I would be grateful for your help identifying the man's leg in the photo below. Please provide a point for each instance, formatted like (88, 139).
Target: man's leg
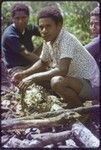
(68, 88)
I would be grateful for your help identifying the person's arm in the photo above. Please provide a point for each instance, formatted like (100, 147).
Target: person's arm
(93, 47)
(39, 66)
(30, 56)
(16, 47)
(62, 70)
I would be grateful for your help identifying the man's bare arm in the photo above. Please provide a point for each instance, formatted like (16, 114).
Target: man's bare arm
(30, 56)
(62, 70)
(39, 66)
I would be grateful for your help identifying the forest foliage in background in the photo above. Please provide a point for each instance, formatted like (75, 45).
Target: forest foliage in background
(75, 13)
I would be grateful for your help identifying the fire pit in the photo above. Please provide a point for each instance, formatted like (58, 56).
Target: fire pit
(45, 122)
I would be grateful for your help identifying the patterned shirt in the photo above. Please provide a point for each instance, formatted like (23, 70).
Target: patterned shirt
(67, 45)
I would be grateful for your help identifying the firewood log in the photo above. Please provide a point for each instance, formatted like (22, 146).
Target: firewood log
(81, 110)
(52, 138)
(85, 136)
(46, 122)
(39, 140)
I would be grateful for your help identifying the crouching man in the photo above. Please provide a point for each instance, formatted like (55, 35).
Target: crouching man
(64, 63)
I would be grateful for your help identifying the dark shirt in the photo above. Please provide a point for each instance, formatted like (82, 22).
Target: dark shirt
(13, 42)
(94, 48)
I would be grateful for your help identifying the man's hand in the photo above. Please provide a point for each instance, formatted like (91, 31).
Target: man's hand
(25, 83)
(17, 77)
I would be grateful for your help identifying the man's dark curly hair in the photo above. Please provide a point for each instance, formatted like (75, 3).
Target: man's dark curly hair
(95, 12)
(50, 12)
(19, 7)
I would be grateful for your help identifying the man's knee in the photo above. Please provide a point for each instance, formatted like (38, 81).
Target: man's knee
(56, 82)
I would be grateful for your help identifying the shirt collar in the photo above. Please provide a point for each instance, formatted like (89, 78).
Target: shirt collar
(59, 37)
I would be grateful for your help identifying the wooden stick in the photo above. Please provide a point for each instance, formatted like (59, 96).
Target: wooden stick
(49, 138)
(39, 140)
(46, 122)
(81, 110)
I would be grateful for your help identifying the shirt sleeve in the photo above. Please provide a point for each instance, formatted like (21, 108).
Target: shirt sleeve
(93, 47)
(67, 47)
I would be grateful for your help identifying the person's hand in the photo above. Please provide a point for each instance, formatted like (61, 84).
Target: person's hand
(25, 83)
(17, 77)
